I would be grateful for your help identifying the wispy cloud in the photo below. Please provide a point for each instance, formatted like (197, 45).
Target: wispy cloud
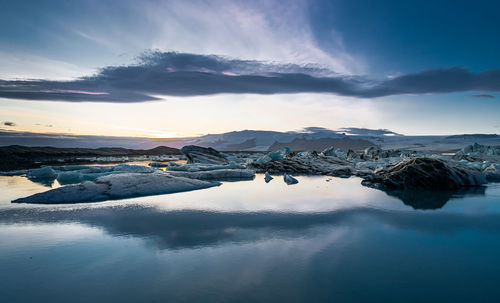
(368, 131)
(180, 74)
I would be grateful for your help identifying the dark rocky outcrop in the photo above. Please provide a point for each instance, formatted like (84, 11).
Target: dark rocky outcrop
(313, 164)
(15, 157)
(207, 155)
(425, 173)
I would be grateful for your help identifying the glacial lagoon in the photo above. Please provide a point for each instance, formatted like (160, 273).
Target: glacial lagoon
(323, 239)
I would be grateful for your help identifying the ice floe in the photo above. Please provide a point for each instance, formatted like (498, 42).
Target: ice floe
(118, 186)
(267, 177)
(289, 179)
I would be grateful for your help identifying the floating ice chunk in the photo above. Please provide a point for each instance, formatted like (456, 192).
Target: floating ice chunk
(479, 150)
(332, 152)
(89, 173)
(289, 179)
(219, 174)
(280, 153)
(118, 186)
(133, 168)
(263, 159)
(492, 172)
(267, 177)
(42, 173)
(14, 173)
(70, 177)
(202, 167)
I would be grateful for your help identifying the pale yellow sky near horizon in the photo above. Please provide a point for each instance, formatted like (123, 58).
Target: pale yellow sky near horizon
(193, 116)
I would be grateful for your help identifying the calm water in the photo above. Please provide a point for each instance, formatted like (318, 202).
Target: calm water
(322, 240)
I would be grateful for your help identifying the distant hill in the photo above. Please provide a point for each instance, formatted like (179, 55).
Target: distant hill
(473, 136)
(320, 144)
(259, 140)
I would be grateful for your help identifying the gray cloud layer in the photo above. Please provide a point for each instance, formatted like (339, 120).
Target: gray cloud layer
(180, 74)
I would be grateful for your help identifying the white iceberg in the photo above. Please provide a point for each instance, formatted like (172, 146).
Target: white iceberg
(280, 154)
(117, 186)
(77, 174)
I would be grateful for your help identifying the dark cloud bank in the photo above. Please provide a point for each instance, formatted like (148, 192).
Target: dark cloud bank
(179, 74)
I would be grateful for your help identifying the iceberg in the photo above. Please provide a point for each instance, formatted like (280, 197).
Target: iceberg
(426, 173)
(289, 179)
(77, 174)
(194, 167)
(14, 173)
(118, 186)
(158, 164)
(280, 154)
(332, 152)
(207, 155)
(220, 174)
(42, 173)
(267, 177)
(479, 150)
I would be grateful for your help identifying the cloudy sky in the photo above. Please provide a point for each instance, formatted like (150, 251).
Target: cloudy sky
(181, 68)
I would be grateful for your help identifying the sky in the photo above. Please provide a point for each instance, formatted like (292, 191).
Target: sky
(183, 68)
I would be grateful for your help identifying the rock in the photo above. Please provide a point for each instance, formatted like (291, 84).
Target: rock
(206, 155)
(158, 164)
(341, 172)
(425, 173)
(311, 164)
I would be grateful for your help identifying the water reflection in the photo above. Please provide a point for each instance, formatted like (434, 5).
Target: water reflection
(194, 228)
(319, 241)
(427, 199)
